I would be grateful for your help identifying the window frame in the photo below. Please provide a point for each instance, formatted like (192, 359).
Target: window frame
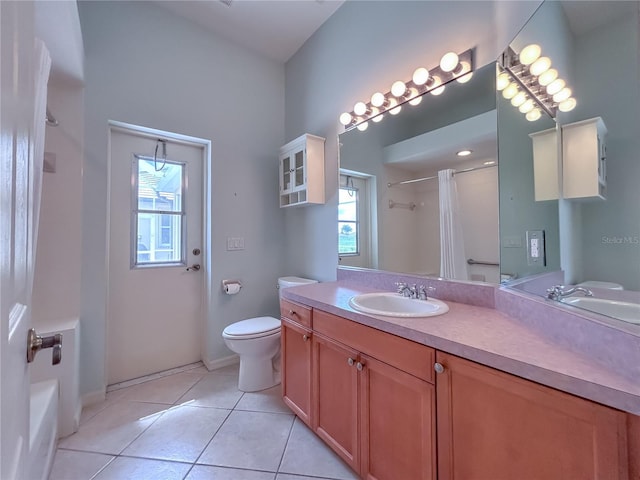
(356, 222)
(136, 211)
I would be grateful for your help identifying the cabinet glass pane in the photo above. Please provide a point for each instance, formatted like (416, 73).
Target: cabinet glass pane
(299, 168)
(286, 173)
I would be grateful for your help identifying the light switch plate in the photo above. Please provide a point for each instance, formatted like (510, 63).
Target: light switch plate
(235, 243)
(512, 241)
(536, 248)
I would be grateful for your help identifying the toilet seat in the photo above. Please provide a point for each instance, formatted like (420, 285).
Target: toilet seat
(252, 328)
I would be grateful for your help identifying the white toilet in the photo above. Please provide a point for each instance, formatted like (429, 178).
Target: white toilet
(257, 341)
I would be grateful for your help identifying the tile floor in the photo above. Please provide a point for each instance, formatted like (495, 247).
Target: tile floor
(194, 425)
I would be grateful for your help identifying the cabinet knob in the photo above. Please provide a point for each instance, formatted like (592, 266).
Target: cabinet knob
(350, 361)
(359, 366)
(306, 337)
(438, 368)
(292, 312)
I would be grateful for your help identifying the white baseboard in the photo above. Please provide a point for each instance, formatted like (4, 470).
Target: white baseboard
(221, 362)
(91, 398)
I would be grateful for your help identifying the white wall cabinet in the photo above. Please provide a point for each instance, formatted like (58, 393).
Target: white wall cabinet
(301, 171)
(584, 152)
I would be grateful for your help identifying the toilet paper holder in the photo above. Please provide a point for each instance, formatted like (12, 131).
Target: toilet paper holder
(231, 287)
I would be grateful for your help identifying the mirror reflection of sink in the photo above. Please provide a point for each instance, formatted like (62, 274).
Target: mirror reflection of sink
(628, 312)
(395, 305)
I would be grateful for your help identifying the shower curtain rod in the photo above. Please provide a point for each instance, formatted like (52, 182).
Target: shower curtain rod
(465, 170)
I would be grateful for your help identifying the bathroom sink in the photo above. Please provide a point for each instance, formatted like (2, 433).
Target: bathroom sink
(395, 305)
(628, 312)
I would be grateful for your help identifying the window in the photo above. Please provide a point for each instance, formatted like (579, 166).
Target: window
(158, 217)
(348, 222)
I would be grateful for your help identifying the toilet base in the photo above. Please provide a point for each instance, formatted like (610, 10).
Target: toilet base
(256, 373)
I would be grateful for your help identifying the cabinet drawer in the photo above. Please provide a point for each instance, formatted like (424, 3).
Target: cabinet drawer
(399, 352)
(296, 312)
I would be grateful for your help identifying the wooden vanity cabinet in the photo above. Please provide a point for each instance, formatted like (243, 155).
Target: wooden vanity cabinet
(378, 417)
(495, 425)
(296, 353)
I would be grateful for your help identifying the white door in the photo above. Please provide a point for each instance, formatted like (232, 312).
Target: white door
(155, 311)
(19, 196)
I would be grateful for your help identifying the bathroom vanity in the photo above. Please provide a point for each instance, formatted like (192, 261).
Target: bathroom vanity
(470, 394)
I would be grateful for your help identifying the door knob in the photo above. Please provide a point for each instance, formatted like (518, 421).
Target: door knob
(35, 343)
(195, 267)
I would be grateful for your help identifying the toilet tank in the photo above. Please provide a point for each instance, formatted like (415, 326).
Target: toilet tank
(286, 282)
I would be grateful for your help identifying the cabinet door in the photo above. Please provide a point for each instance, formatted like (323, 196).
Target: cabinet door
(498, 426)
(397, 424)
(335, 413)
(296, 369)
(286, 172)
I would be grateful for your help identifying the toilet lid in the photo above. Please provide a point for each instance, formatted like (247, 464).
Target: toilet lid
(258, 326)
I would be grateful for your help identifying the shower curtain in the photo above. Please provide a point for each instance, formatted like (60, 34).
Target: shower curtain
(453, 263)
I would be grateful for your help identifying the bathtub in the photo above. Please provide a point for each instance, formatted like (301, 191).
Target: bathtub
(43, 428)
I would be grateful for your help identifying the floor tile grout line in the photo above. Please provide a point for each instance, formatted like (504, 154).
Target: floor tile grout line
(213, 436)
(103, 467)
(286, 444)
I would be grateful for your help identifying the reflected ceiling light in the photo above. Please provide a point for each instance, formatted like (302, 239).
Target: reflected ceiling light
(568, 105)
(532, 86)
(489, 162)
(363, 126)
(377, 118)
(547, 77)
(530, 54)
(464, 153)
(453, 66)
(449, 62)
(533, 115)
(510, 91)
(540, 66)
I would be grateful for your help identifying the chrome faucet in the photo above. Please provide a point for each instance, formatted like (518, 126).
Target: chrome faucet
(413, 291)
(558, 292)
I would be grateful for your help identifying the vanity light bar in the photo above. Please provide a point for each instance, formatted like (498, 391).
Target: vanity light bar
(452, 67)
(528, 80)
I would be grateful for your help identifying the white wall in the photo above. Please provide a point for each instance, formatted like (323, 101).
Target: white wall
(56, 289)
(148, 67)
(362, 48)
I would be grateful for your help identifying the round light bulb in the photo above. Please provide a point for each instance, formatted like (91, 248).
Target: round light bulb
(377, 118)
(394, 110)
(530, 54)
(415, 96)
(547, 77)
(436, 86)
(345, 118)
(540, 66)
(449, 61)
(568, 105)
(562, 95)
(363, 126)
(377, 99)
(533, 115)
(420, 76)
(510, 91)
(527, 106)
(503, 81)
(519, 99)
(464, 78)
(398, 89)
(555, 86)
(360, 108)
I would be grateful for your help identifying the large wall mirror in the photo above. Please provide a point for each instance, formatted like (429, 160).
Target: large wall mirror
(593, 238)
(594, 47)
(389, 183)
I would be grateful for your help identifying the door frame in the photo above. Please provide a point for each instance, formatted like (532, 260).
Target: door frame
(146, 132)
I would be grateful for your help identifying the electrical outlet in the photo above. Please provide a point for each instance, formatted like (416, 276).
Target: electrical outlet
(536, 248)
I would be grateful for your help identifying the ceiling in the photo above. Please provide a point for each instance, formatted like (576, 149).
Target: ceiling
(274, 28)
